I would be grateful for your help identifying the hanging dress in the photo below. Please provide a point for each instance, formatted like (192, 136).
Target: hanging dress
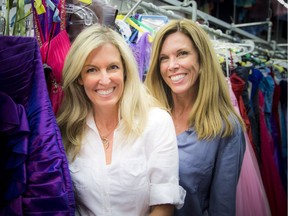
(35, 178)
(271, 179)
(251, 199)
(54, 43)
(141, 50)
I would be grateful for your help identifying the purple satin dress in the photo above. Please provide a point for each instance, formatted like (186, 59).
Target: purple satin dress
(35, 178)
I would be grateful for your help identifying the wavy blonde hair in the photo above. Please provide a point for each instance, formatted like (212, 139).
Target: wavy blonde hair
(134, 104)
(213, 104)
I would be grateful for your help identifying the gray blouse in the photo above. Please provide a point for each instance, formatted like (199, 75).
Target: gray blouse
(209, 172)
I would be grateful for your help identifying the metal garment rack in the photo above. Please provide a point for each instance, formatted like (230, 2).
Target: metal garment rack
(163, 10)
(183, 8)
(194, 12)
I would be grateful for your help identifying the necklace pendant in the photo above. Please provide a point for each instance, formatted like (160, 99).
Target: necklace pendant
(105, 142)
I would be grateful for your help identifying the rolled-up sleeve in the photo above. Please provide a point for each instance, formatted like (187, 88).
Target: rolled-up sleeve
(163, 161)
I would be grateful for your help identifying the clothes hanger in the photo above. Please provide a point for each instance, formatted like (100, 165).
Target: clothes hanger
(51, 5)
(86, 15)
(240, 49)
(141, 24)
(39, 7)
(154, 21)
(123, 24)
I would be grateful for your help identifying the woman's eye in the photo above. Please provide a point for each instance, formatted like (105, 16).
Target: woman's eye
(182, 53)
(114, 67)
(90, 70)
(162, 58)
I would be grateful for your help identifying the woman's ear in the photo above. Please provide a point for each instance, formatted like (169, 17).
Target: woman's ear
(80, 81)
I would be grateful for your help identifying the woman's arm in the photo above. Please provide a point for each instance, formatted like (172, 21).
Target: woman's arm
(163, 164)
(162, 210)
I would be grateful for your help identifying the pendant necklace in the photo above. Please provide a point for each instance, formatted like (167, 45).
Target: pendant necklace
(105, 139)
(105, 142)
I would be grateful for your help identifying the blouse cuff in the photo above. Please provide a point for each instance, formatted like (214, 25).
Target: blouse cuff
(167, 194)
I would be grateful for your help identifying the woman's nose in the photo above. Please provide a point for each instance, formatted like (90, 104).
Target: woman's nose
(105, 78)
(173, 64)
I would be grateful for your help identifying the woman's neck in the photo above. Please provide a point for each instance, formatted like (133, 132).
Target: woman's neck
(180, 118)
(106, 118)
(180, 113)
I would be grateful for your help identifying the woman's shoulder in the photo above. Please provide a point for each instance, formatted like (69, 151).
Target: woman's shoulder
(234, 121)
(159, 116)
(158, 113)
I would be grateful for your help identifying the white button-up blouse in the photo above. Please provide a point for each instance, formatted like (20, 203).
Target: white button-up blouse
(140, 175)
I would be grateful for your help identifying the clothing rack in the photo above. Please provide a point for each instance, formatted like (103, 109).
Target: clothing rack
(163, 10)
(208, 18)
(230, 28)
(269, 47)
(168, 11)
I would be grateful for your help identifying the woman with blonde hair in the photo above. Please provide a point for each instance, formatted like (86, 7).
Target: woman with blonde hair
(186, 77)
(121, 146)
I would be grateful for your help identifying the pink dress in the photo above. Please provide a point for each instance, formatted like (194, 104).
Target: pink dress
(53, 54)
(251, 198)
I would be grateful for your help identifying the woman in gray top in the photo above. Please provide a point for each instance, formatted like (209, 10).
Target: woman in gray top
(186, 77)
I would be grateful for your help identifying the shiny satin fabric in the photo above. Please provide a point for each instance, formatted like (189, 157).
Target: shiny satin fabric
(35, 178)
(53, 54)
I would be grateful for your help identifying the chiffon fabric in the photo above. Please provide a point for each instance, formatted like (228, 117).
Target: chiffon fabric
(34, 168)
(251, 198)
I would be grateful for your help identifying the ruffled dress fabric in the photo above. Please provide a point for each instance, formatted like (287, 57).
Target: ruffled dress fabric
(251, 198)
(34, 168)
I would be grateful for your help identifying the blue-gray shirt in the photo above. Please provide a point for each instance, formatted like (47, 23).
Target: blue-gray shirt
(209, 171)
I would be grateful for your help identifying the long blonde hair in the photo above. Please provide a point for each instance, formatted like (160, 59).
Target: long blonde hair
(213, 104)
(134, 104)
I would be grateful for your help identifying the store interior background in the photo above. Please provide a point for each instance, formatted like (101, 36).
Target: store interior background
(251, 11)
(261, 19)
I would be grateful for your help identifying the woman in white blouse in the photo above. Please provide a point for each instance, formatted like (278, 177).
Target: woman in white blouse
(122, 149)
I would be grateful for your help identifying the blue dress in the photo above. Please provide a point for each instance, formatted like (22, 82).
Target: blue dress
(209, 172)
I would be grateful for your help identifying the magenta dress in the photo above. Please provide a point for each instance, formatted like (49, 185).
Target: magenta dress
(53, 55)
(251, 199)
